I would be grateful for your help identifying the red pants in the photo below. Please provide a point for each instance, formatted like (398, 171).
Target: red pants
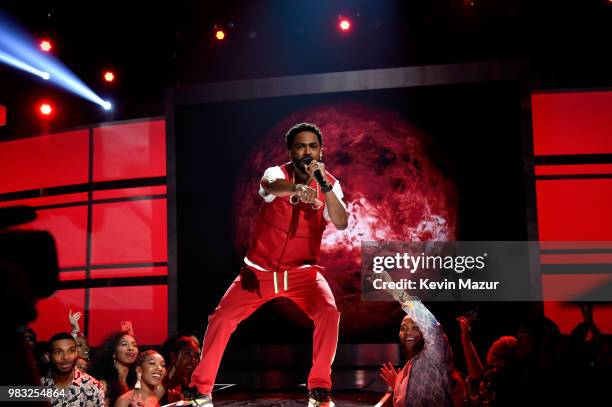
(307, 288)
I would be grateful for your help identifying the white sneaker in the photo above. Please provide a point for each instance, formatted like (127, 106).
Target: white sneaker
(193, 398)
(320, 397)
(315, 403)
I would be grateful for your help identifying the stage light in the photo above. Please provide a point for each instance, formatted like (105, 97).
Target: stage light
(220, 35)
(20, 50)
(45, 109)
(107, 105)
(109, 76)
(45, 46)
(344, 24)
(11, 60)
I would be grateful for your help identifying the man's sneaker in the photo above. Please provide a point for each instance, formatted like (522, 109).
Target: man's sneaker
(320, 397)
(191, 397)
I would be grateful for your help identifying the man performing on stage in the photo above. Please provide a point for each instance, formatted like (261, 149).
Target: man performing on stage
(300, 198)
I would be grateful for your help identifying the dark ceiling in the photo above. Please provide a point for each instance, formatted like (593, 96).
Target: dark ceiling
(153, 46)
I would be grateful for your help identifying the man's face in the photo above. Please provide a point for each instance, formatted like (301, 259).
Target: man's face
(63, 355)
(410, 335)
(305, 144)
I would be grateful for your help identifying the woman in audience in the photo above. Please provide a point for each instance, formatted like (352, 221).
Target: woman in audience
(498, 383)
(148, 390)
(183, 355)
(115, 365)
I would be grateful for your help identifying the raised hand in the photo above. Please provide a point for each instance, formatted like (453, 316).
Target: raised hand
(389, 373)
(74, 320)
(466, 328)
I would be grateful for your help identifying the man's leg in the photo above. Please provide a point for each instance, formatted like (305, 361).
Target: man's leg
(236, 305)
(313, 295)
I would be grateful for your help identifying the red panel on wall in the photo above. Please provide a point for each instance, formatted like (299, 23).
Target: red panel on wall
(570, 287)
(48, 200)
(130, 192)
(567, 315)
(546, 245)
(574, 209)
(129, 232)
(573, 169)
(2, 115)
(145, 306)
(577, 258)
(72, 275)
(69, 229)
(53, 313)
(136, 150)
(129, 272)
(45, 161)
(572, 123)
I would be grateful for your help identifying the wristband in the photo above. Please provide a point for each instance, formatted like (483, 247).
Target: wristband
(326, 187)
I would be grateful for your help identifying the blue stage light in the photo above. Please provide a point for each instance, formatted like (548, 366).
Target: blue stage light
(18, 50)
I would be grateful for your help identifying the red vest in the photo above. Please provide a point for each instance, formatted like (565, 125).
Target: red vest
(286, 235)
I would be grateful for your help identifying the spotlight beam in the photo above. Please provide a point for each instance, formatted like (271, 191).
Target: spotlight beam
(17, 49)
(14, 62)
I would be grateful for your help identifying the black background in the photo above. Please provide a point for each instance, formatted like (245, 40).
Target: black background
(476, 130)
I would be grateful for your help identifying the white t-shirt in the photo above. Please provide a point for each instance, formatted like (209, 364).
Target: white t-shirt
(274, 173)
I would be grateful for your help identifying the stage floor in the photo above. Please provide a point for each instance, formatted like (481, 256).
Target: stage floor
(291, 399)
(352, 387)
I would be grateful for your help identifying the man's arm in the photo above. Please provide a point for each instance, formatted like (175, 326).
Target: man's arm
(335, 209)
(277, 187)
(282, 187)
(274, 183)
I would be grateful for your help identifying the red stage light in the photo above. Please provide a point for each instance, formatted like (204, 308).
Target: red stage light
(45, 109)
(344, 24)
(2, 115)
(109, 76)
(220, 35)
(45, 45)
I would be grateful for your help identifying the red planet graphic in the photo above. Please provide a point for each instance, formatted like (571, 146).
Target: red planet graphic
(393, 190)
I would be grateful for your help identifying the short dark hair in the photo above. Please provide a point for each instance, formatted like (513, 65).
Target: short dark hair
(290, 136)
(59, 337)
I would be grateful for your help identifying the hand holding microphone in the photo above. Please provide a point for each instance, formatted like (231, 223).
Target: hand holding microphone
(316, 169)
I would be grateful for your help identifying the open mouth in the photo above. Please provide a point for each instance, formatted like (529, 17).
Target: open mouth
(156, 376)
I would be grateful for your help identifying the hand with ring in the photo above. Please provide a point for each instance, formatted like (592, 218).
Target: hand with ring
(305, 193)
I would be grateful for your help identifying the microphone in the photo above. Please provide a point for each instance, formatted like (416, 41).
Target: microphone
(325, 186)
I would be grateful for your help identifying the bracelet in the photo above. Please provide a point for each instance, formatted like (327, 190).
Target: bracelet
(299, 188)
